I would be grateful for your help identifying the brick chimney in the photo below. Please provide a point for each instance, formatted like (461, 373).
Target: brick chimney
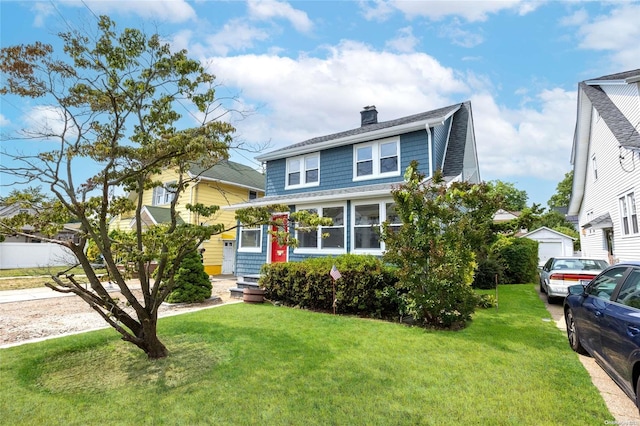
(369, 115)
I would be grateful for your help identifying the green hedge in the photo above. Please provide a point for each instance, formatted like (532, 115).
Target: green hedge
(367, 287)
(519, 259)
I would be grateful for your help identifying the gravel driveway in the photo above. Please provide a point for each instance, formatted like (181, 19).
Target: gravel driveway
(44, 318)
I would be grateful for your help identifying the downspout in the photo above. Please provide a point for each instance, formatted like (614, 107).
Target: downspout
(430, 149)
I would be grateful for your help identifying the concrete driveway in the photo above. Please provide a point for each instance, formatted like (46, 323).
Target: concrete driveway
(618, 403)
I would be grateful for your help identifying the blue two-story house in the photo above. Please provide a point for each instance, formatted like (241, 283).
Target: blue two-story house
(348, 176)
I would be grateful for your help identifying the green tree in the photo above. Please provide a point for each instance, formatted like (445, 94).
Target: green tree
(563, 192)
(191, 281)
(434, 249)
(117, 95)
(512, 199)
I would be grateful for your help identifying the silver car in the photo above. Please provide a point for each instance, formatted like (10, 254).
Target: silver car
(561, 272)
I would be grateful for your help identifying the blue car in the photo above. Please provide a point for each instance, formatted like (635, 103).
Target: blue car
(603, 320)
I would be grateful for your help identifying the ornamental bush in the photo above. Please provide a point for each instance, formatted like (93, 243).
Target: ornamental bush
(191, 281)
(518, 257)
(367, 287)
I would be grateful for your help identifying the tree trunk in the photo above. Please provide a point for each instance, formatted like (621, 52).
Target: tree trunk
(150, 343)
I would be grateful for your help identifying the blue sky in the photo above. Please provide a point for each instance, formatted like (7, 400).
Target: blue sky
(308, 67)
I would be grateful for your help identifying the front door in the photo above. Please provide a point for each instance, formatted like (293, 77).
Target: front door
(228, 258)
(279, 252)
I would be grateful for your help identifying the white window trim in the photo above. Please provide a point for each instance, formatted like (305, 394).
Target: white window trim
(303, 175)
(625, 198)
(319, 249)
(382, 210)
(376, 146)
(250, 249)
(166, 195)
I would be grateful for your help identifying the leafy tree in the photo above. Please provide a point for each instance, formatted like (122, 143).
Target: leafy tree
(117, 95)
(435, 247)
(512, 199)
(563, 192)
(191, 281)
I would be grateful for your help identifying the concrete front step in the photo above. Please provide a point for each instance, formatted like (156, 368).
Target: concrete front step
(247, 281)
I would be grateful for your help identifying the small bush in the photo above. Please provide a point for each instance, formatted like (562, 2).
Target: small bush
(485, 277)
(518, 257)
(191, 281)
(486, 301)
(367, 287)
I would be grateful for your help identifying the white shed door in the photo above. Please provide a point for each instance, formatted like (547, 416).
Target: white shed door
(548, 249)
(228, 258)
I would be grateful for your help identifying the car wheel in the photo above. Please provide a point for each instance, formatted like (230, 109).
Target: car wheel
(638, 394)
(551, 299)
(542, 288)
(572, 333)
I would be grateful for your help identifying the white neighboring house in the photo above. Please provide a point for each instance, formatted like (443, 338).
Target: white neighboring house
(606, 167)
(551, 243)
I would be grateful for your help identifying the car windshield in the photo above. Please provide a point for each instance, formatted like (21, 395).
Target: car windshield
(580, 264)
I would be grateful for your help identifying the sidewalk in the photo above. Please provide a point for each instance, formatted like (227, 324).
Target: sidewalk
(8, 296)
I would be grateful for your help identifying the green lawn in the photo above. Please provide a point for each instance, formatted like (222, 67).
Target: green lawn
(31, 277)
(258, 364)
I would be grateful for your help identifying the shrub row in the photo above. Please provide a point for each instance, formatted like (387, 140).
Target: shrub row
(367, 287)
(513, 260)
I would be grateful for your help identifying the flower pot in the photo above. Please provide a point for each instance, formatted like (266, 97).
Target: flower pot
(253, 295)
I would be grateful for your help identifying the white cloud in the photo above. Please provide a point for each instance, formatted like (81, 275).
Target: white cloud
(405, 41)
(167, 10)
(41, 11)
(309, 96)
(469, 10)
(526, 141)
(453, 31)
(616, 33)
(376, 10)
(47, 120)
(235, 35)
(268, 9)
(4, 121)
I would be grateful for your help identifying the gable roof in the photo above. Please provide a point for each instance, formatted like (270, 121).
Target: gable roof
(157, 215)
(591, 95)
(365, 133)
(227, 171)
(544, 228)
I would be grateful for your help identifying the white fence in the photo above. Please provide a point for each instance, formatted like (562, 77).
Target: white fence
(33, 255)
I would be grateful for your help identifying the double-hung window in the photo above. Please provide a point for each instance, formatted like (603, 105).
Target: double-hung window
(303, 171)
(326, 239)
(376, 159)
(250, 239)
(367, 225)
(163, 194)
(628, 214)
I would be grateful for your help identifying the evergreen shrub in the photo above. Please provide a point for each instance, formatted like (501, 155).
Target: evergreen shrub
(367, 287)
(191, 281)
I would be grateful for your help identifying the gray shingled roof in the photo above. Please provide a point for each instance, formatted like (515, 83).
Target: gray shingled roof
(454, 157)
(626, 134)
(424, 116)
(162, 214)
(232, 172)
(619, 76)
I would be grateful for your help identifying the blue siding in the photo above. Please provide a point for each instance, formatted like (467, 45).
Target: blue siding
(336, 166)
(414, 146)
(251, 263)
(440, 137)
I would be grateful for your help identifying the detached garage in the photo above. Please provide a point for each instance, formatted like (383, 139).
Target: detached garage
(551, 243)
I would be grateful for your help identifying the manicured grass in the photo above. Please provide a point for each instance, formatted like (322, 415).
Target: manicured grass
(31, 277)
(260, 364)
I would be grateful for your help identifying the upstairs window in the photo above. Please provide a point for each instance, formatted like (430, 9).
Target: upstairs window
(594, 164)
(303, 171)
(628, 214)
(376, 159)
(253, 195)
(163, 194)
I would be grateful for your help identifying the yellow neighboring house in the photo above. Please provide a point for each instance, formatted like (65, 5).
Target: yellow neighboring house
(224, 184)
